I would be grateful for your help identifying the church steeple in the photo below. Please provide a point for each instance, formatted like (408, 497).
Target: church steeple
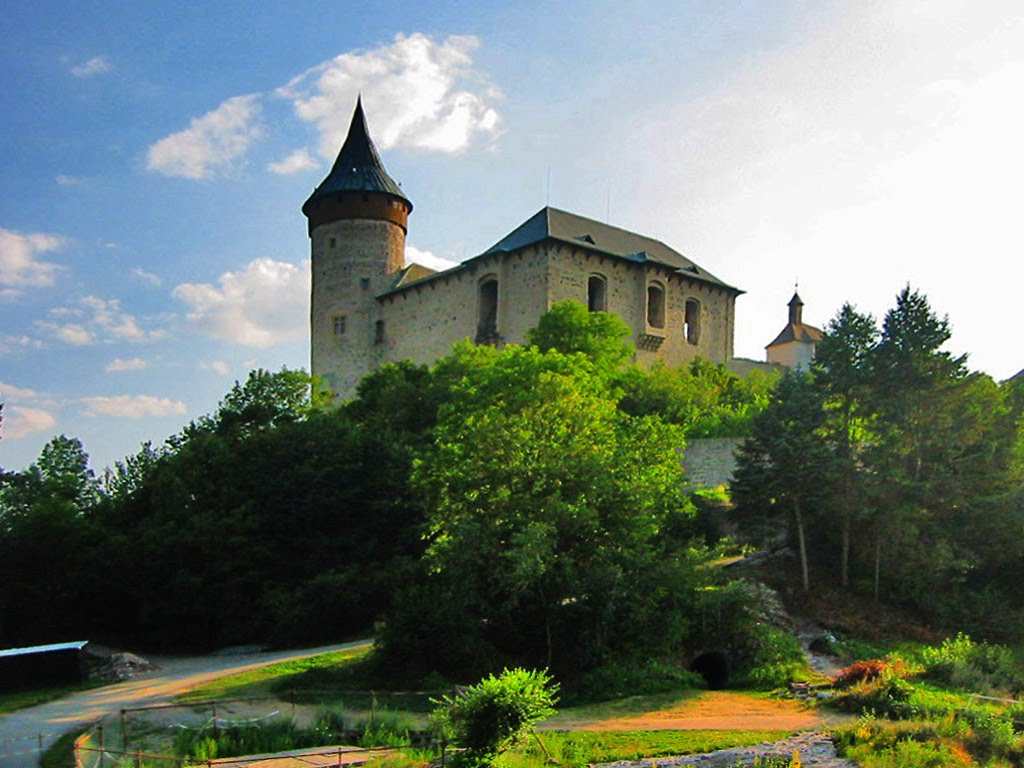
(796, 309)
(357, 175)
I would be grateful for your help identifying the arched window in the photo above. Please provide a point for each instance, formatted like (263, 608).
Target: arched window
(597, 294)
(655, 306)
(691, 321)
(487, 311)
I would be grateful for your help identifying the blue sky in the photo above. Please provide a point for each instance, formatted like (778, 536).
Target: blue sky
(155, 156)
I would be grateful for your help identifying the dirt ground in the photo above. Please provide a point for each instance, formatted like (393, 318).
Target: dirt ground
(715, 710)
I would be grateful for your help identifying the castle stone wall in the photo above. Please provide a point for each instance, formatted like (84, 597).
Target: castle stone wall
(570, 267)
(424, 320)
(710, 461)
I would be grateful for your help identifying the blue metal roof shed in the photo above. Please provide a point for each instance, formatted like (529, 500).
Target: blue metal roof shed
(42, 665)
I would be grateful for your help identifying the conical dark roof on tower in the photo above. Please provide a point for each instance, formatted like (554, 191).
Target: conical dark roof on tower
(358, 167)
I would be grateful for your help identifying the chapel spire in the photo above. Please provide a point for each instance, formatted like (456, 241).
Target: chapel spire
(796, 309)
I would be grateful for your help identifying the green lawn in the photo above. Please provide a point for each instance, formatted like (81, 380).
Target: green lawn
(278, 678)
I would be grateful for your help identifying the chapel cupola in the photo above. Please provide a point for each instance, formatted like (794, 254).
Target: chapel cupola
(357, 187)
(796, 310)
(794, 346)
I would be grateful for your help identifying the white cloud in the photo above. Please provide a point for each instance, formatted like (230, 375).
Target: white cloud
(299, 160)
(97, 65)
(94, 320)
(133, 406)
(20, 266)
(118, 365)
(420, 93)
(264, 304)
(11, 392)
(212, 143)
(12, 342)
(21, 421)
(217, 366)
(24, 411)
(73, 333)
(147, 277)
(68, 181)
(427, 259)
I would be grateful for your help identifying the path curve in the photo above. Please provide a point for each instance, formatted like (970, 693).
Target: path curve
(20, 731)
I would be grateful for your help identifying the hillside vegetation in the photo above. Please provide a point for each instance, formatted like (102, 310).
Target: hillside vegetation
(526, 506)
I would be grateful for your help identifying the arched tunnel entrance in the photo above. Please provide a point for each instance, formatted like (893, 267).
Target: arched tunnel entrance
(713, 666)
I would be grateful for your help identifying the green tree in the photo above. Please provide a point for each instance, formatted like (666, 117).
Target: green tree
(543, 501)
(705, 399)
(784, 468)
(569, 327)
(842, 375)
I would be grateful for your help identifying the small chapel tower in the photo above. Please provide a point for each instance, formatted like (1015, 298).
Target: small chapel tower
(358, 219)
(794, 346)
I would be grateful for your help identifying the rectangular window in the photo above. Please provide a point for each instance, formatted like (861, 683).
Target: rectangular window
(334, 242)
(364, 283)
(378, 332)
(339, 325)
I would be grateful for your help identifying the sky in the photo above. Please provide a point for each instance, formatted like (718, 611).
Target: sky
(154, 157)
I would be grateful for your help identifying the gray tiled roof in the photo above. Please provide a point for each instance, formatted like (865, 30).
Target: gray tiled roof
(358, 167)
(554, 224)
(562, 226)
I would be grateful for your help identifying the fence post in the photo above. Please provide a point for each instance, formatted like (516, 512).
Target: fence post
(215, 720)
(124, 731)
(40, 739)
(99, 732)
(339, 757)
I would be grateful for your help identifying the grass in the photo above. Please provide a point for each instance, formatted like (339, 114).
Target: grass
(10, 702)
(61, 753)
(275, 678)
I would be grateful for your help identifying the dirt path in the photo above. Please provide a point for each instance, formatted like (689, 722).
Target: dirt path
(22, 732)
(713, 710)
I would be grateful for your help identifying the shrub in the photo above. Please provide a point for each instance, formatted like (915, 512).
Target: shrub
(775, 660)
(490, 717)
(962, 663)
(888, 695)
(617, 680)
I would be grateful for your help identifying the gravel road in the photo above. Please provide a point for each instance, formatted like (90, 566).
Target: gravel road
(22, 732)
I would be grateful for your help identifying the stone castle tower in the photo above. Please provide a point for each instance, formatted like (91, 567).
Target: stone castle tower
(358, 218)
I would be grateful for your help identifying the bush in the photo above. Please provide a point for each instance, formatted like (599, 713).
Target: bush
(491, 716)
(618, 680)
(964, 664)
(888, 695)
(776, 659)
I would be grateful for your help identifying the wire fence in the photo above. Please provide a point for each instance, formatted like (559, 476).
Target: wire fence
(139, 737)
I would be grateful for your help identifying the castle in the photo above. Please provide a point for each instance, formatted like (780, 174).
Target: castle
(369, 307)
